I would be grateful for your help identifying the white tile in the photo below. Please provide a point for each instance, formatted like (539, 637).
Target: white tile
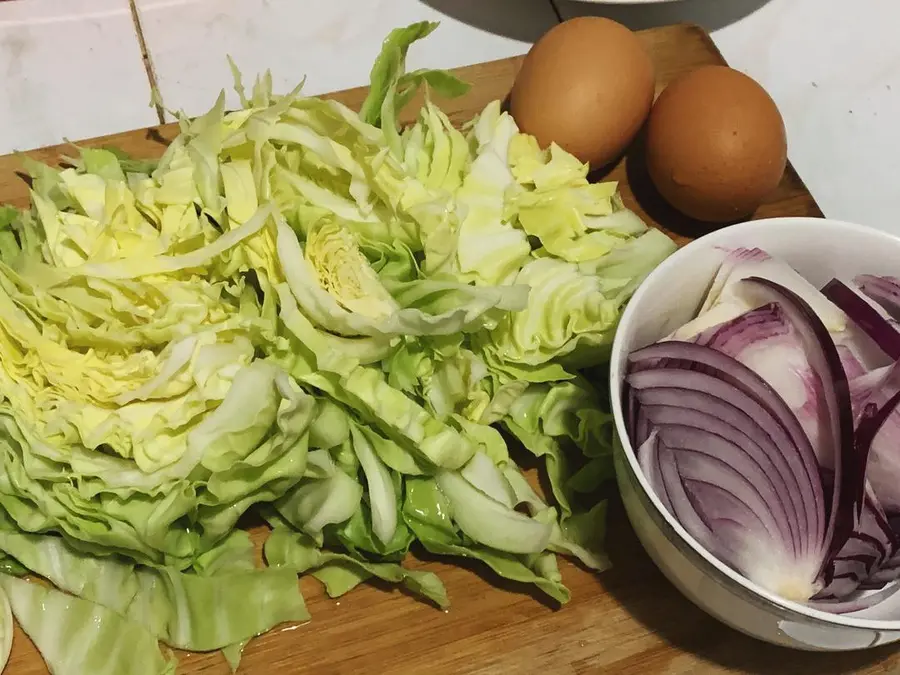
(70, 69)
(332, 42)
(835, 74)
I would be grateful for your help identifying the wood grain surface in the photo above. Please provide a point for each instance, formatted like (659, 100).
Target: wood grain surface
(628, 620)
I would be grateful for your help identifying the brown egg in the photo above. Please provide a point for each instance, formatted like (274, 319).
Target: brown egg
(586, 85)
(716, 144)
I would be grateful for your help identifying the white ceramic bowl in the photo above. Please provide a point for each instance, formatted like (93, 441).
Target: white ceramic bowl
(669, 297)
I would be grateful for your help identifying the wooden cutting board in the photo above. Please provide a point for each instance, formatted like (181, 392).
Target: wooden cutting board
(627, 620)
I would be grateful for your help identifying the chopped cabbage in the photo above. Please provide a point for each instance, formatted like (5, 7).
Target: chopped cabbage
(317, 315)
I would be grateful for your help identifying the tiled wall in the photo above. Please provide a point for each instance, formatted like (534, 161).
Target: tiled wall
(79, 68)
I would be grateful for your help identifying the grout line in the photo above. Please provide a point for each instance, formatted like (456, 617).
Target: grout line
(555, 11)
(148, 62)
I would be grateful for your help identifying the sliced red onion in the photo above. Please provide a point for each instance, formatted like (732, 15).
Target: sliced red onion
(849, 468)
(704, 456)
(729, 532)
(874, 386)
(852, 365)
(744, 541)
(775, 478)
(869, 558)
(848, 573)
(681, 506)
(883, 290)
(855, 603)
(865, 316)
(873, 584)
(881, 389)
(778, 488)
(720, 506)
(735, 385)
(765, 341)
(882, 576)
(734, 258)
(747, 330)
(630, 410)
(723, 484)
(860, 562)
(686, 355)
(748, 424)
(648, 458)
(871, 423)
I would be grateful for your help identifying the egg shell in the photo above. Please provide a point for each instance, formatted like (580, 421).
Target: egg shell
(716, 144)
(587, 85)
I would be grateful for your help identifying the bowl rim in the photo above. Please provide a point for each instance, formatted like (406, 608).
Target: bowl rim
(616, 373)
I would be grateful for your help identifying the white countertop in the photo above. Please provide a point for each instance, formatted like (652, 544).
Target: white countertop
(77, 68)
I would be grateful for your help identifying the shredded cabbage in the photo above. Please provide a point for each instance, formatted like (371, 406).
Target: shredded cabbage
(316, 314)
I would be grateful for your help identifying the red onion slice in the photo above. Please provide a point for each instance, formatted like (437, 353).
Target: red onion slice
(871, 422)
(880, 389)
(848, 573)
(727, 369)
(754, 434)
(869, 558)
(865, 316)
(629, 410)
(849, 467)
(860, 561)
(857, 603)
(743, 539)
(735, 445)
(724, 531)
(727, 396)
(882, 576)
(734, 259)
(648, 458)
(713, 462)
(876, 386)
(746, 330)
(883, 290)
(781, 499)
(765, 341)
(732, 506)
(681, 506)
